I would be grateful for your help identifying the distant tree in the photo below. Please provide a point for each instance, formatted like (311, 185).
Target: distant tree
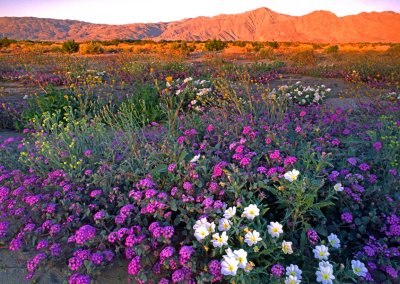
(70, 46)
(215, 45)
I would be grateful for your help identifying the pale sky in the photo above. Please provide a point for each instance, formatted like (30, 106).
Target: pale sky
(147, 11)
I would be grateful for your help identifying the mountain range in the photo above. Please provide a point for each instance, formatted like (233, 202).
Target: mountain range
(261, 24)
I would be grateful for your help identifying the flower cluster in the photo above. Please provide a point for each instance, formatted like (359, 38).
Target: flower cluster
(301, 95)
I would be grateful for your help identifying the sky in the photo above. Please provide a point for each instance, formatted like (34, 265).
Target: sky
(151, 11)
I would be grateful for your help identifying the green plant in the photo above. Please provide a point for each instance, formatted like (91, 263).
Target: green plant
(58, 102)
(70, 46)
(304, 58)
(182, 47)
(91, 48)
(257, 46)
(137, 110)
(332, 49)
(266, 53)
(5, 42)
(273, 44)
(239, 43)
(215, 45)
(394, 50)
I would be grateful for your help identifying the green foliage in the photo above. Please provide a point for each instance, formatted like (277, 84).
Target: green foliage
(394, 51)
(70, 46)
(137, 110)
(182, 47)
(91, 48)
(215, 45)
(57, 102)
(67, 137)
(5, 42)
(316, 46)
(273, 44)
(332, 49)
(257, 46)
(266, 53)
(239, 43)
(303, 58)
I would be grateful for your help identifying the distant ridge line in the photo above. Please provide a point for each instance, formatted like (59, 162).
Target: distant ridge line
(261, 24)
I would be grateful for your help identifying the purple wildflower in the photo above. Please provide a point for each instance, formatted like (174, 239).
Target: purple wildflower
(84, 234)
(79, 279)
(312, 236)
(277, 270)
(75, 263)
(134, 266)
(97, 258)
(352, 161)
(347, 217)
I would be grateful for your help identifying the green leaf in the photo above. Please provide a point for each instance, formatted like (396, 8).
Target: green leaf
(182, 156)
(358, 221)
(173, 205)
(161, 169)
(322, 231)
(323, 204)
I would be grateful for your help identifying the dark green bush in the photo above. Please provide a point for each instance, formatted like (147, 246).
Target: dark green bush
(5, 42)
(332, 49)
(394, 50)
(303, 58)
(215, 45)
(70, 46)
(239, 43)
(273, 44)
(257, 46)
(182, 47)
(91, 48)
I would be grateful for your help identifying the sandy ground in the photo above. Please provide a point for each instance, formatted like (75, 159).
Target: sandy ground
(13, 271)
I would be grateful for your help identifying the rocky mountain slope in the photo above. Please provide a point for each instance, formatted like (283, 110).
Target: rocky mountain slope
(258, 25)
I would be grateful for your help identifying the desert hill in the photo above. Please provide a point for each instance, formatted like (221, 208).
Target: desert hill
(258, 25)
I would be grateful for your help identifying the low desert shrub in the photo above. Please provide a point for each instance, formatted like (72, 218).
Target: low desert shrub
(70, 46)
(91, 48)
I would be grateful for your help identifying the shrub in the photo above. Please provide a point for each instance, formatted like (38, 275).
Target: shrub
(70, 46)
(273, 44)
(316, 46)
(266, 53)
(332, 49)
(136, 110)
(182, 47)
(257, 46)
(239, 43)
(394, 50)
(91, 48)
(303, 58)
(215, 45)
(5, 42)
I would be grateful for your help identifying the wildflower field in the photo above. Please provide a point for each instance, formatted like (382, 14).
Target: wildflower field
(170, 171)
